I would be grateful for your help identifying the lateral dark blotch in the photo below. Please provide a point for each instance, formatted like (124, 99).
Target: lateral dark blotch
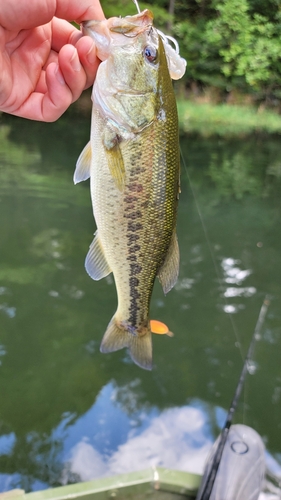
(135, 295)
(133, 215)
(135, 188)
(132, 238)
(134, 248)
(135, 269)
(134, 281)
(134, 226)
(132, 257)
(130, 198)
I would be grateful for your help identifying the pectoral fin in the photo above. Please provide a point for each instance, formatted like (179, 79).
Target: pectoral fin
(96, 264)
(83, 165)
(116, 166)
(114, 157)
(169, 271)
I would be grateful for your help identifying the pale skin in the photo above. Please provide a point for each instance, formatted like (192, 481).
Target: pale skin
(45, 63)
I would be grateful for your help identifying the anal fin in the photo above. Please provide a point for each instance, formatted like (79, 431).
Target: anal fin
(96, 264)
(168, 273)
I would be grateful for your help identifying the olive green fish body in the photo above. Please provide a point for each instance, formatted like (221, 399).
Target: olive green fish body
(134, 169)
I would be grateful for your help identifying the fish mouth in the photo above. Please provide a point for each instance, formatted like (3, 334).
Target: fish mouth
(142, 20)
(89, 26)
(130, 30)
(128, 26)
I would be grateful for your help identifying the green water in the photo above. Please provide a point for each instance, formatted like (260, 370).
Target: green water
(69, 413)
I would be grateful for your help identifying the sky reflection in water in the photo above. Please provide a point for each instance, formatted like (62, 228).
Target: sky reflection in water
(177, 438)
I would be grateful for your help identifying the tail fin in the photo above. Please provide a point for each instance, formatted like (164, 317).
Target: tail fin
(140, 348)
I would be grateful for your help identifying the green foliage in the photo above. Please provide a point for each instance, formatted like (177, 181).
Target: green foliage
(248, 46)
(227, 43)
(223, 120)
(237, 45)
(115, 8)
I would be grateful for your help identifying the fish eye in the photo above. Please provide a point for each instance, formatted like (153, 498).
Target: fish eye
(150, 53)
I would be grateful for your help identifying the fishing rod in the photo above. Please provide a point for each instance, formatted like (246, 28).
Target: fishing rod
(205, 492)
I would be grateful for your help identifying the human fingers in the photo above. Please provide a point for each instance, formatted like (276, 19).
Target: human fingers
(48, 106)
(72, 70)
(79, 11)
(22, 60)
(64, 33)
(5, 72)
(16, 15)
(86, 49)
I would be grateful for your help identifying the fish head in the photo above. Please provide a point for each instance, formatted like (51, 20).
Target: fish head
(134, 77)
(130, 46)
(124, 32)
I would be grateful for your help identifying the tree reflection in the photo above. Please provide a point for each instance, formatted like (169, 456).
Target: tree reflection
(36, 457)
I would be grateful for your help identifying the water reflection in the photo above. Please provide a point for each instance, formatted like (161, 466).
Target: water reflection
(178, 438)
(111, 438)
(69, 413)
(233, 274)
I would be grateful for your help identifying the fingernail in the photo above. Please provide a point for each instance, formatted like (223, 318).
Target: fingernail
(59, 75)
(74, 61)
(91, 54)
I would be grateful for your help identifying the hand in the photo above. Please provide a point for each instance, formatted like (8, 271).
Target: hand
(45, 63)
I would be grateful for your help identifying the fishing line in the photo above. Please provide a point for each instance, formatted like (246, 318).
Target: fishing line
(245, 399)
(206, 491)
(168, 38)
(137, 6)
(218, 273)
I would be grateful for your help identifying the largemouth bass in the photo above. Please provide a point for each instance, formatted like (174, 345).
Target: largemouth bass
(133, 161)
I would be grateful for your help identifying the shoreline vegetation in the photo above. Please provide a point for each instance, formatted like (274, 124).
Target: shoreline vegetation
(222, 119)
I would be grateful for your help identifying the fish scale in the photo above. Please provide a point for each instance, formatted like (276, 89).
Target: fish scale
(133, 162)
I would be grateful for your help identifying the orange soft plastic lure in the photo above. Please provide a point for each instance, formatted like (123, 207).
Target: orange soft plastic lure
(160, 328)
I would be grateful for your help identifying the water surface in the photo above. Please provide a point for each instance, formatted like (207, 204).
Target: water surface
(69, 413)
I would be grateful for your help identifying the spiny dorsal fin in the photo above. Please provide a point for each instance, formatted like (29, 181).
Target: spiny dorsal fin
(83, 165)
(96, 264)
(169, 271)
